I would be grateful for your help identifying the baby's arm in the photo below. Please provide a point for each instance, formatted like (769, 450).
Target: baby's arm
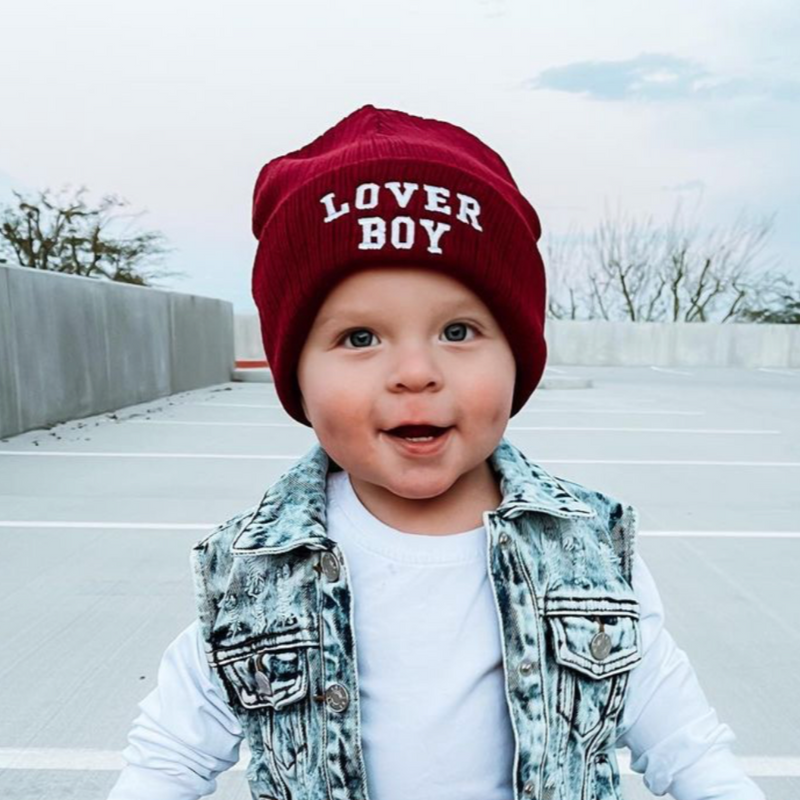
(186, 734)
(673, 733)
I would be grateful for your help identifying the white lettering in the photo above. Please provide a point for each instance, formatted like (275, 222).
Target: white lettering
(404, 196)
(403, 228)
(373, 233)
(329, 207)
(361, 193)
(435, 231)
(408, 242)
(437, 194)
(468, 210)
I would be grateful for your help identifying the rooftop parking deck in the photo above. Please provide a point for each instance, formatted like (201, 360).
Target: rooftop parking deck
(97, 517)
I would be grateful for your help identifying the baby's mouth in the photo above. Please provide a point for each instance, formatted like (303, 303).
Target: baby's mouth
(418, 433)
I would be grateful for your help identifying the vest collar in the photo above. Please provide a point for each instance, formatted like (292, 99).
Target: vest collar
(293, 510)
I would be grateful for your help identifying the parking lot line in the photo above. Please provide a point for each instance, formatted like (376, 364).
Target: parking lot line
(296, 456)
(576, 410)
(95, 760)
(668, 463)
(794, 373)
(671, 371)
(199, 526)
(227, 424)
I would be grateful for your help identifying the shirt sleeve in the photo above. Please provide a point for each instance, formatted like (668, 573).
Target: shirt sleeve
(186, 733)
(675, 737)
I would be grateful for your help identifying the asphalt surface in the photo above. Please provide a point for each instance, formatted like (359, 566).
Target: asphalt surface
(97, 517)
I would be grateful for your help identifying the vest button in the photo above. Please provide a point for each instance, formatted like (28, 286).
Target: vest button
(336, 697)
(503, 538)
(330, 566)
(528, 787)
(600, 646)
(526, 667)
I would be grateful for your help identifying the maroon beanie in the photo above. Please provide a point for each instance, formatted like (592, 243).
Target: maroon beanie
(386, 188)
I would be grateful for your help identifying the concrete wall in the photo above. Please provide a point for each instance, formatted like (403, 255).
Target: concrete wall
(247, 340)
(687, 344)
(71, 347)
(631, 343)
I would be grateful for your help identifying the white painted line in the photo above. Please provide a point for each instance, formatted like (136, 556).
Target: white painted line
(794, 373)
(754, 766)
(728, 431)
(223, 456)
(66, 758)
(633, 412)
(556, 371)
(672, 371)
(177, 526)
(722, 534)
(214, 423)
(771, 766)
(127, 526)
(297, 456)
(237, 405)
(642, 463)
(91, 760)
(522, 411)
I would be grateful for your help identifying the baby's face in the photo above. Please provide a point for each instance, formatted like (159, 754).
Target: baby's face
(393, 345)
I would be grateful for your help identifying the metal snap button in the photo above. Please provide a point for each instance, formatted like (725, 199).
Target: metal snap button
(336, 697)
(330, 566)
(526, 667)
(600, 646)
(528, 787)
(503, 538)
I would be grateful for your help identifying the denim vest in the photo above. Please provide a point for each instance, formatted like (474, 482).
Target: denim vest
(275, 610)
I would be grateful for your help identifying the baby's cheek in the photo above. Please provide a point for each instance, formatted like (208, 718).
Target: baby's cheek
(344, 412)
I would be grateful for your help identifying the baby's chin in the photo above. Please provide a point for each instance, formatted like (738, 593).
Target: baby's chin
(426, 485)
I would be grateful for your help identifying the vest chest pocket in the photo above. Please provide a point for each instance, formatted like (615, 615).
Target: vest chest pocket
(596, 643)
(267, 677)
(270, 687)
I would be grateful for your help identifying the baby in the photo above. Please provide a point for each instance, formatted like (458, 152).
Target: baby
(415, 610)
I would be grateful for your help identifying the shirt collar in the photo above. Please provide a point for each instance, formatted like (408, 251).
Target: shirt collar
(293, 510)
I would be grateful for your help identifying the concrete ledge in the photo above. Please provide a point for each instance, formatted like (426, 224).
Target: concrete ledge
(564, 383)
(264, 375)
(72, 347)
(672, 344)
(253, 375)
(630, 344)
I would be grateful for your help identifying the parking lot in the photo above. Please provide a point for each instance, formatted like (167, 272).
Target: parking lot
(97, 517)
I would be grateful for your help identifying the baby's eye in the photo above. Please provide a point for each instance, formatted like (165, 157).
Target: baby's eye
(458, 327)
(360, 337)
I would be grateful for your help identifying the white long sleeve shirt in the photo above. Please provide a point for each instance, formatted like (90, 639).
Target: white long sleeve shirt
(422, 600)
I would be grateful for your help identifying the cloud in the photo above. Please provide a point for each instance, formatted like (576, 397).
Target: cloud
(657, 77)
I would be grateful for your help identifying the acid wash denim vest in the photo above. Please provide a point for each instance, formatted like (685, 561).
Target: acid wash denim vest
(276, 612)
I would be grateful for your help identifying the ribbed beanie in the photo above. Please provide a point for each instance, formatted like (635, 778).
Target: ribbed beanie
(384, 188)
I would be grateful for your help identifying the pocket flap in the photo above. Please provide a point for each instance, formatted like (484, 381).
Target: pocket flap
(265, 677)
(596, 636)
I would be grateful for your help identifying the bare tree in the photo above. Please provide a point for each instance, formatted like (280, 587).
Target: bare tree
(634, 269)
(777, 303)
(65, 234)
(625, 253)
(563, 261)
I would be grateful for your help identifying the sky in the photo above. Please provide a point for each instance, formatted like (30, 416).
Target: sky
(176, 105)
